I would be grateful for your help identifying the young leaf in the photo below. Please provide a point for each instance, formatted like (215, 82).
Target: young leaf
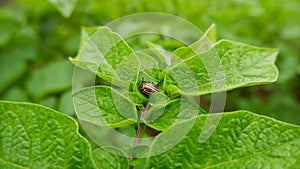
(33, 136)
(161, 117)
(241, 140)
(136, 99)
(149, 66)
(110, 157)
(241, 65)
(160, 55)
(206, 41)
(198, 47)
(105, 53)
(104, 106)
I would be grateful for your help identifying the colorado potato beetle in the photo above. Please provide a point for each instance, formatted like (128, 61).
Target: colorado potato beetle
(148, 88)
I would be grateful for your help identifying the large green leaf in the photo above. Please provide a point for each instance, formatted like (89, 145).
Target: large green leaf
(110, 158)
(33, 136)
(226, 66)
(106, 54)
(104, 106)
(241, 140)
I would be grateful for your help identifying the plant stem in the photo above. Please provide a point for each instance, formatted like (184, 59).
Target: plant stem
(140, 128)
(138, 135)
(145, 110)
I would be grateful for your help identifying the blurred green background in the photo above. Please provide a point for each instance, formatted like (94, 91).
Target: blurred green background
(36, 41)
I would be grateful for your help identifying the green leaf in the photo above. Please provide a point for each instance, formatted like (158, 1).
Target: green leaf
(65, 7)
(198, 47)
(110, 158)
(136, 99)
(52, 78)
(33, 136)
(106, 54)
(104, 106)
(149, 66)
(206, 41)
(211, 33)
(241, 65)
(158, 98)
(241, 140)
(140, 151)
(159, 54)
(12, 68)
(161, 117)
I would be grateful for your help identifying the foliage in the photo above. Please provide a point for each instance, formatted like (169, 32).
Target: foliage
(37, 37)
(33, 136)
(34, 34)
(253, 142)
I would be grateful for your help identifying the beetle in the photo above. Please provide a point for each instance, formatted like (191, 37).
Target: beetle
(148, 88)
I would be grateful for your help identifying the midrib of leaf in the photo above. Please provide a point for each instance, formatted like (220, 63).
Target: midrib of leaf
(250, 155)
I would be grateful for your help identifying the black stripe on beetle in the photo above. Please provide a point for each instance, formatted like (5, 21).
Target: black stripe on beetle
(148, 88)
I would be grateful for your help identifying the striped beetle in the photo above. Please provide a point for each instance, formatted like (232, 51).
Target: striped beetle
(148, 88)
